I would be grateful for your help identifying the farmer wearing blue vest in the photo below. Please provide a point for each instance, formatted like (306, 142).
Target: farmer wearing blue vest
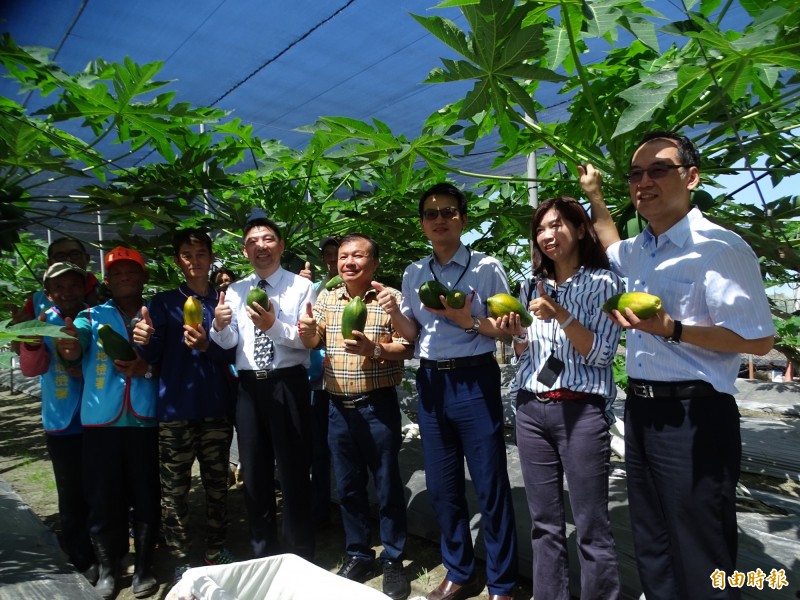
(118, 411)
(61, 388)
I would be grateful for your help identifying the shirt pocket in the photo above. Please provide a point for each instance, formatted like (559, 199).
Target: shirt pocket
(681, 299)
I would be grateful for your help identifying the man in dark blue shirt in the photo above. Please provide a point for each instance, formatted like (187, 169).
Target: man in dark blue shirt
(195, 399)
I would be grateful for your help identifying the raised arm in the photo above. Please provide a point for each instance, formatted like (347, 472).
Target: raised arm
(591, 181)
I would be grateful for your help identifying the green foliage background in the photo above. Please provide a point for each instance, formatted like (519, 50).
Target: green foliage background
(734, 92)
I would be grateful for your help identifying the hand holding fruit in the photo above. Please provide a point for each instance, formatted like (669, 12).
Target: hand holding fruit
(143, 329)
(132, 368)
(195, 338)
(222, 313)
(359, 344)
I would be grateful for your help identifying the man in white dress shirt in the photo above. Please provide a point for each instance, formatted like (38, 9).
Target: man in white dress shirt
(273, 416)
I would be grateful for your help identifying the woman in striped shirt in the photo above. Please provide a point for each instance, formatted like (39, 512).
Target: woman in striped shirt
(565, 390)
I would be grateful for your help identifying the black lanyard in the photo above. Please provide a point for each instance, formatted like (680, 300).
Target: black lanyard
(469, 261)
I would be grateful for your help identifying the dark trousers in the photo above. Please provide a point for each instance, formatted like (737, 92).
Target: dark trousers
(66, 454)
(363, 440)
(180, 443)
(461, 416)
(121, 471)
(273, 424)
(558, 439)
(682, 461)
(320, 457)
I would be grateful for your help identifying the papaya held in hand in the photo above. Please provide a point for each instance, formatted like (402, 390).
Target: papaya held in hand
(354, 318)
(429, 293)
(192, 312)
(501, 305)
(643, 305)
(456, 299)
(116, 346)
(258, 296)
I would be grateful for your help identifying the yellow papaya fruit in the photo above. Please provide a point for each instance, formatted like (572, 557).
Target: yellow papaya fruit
(192, 312)
(258, 296)
(502, 304)
(430, 291)
(642, 304)
(354, 318)
(456, 299)
(116, 346)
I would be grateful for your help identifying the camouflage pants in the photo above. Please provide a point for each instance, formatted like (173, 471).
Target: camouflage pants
(180, 443)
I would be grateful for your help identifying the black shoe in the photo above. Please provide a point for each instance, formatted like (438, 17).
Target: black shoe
(395, 584)
(357, 569)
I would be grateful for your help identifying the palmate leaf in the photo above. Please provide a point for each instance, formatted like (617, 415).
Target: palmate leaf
(28, 330)
(645, 99)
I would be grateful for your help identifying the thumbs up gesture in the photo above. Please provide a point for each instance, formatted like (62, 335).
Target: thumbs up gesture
(143, 329)
(386, 299)
(306, 271)
(69, 349)
(222, 313)
(307, 327)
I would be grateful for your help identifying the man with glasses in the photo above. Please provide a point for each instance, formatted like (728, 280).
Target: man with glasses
(460, 405)
(682, 439)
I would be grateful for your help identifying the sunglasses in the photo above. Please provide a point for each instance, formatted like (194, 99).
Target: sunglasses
(431, 214)
(653, 172)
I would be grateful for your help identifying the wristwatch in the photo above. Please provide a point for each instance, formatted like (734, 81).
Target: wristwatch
(149, 373)
(675, 338)
(476, 323)
(376, 352)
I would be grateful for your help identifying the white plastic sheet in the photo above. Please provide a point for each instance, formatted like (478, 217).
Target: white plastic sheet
(282, 577)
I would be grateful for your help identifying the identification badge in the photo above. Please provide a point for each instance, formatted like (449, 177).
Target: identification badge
(552, 368)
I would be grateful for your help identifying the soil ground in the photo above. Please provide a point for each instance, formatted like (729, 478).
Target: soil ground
(24, 464)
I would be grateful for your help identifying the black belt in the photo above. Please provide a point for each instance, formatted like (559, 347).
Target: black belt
(447, 364)
(356, 401)
(670, 390)
(272, 373)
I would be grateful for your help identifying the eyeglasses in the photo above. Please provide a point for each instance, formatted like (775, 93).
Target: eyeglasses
(653, 172)
(431, 214)
(72, 255)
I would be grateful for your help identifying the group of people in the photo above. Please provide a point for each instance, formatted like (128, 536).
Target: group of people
(147, 419)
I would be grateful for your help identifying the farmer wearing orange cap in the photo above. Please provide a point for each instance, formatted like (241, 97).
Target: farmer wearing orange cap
(118, 410)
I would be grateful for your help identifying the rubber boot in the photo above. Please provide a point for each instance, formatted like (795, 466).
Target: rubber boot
(108, 566)
(144, 543)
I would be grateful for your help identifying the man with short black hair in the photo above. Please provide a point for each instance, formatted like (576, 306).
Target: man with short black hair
(195, 401)
(460, 404)
(682, 439)
(272, 411)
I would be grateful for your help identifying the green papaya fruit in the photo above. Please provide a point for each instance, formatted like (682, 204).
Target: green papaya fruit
(429, 293)
(258, 296)
(354, 318)
(456, 299)
(642, 304)
(116, 346)
(334, 282)
(502, 304)
(192, 312)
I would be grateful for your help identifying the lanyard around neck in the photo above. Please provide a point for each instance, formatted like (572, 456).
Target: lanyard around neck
(469, 261)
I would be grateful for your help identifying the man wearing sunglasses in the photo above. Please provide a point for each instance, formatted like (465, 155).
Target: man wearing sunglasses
(460, 406)
(682, 439)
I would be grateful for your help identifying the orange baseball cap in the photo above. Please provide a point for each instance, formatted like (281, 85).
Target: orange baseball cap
(121, 253)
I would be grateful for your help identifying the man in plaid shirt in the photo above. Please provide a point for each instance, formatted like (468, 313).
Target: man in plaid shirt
(364, 427)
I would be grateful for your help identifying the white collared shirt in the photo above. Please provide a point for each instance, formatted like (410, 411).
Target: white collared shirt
(289, 294)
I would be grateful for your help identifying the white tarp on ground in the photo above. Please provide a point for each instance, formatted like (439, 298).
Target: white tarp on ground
(282, 577)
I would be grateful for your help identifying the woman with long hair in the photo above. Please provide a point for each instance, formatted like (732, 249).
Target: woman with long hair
(565, 390)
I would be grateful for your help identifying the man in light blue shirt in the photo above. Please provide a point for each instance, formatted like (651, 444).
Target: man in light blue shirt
(682, 439)
(460, 405)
